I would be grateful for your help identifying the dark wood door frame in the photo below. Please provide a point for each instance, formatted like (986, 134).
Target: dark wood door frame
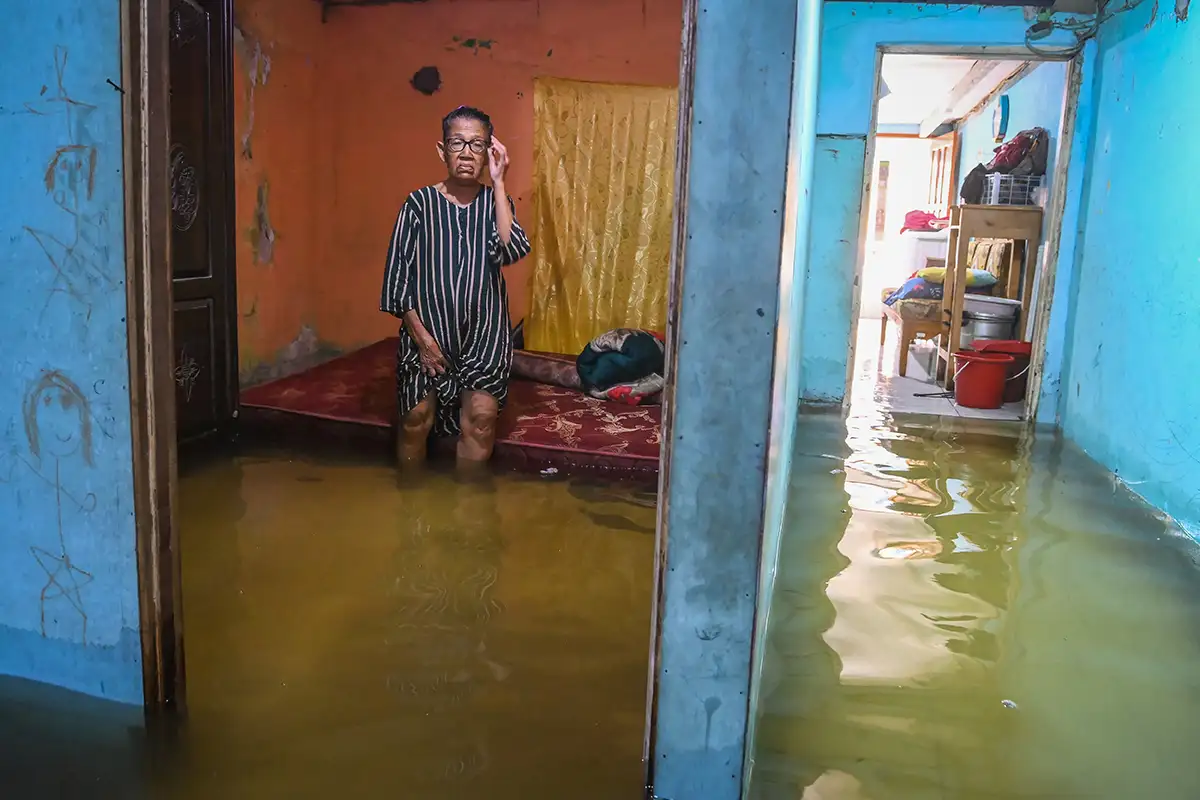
(147, 122)
(145, 28)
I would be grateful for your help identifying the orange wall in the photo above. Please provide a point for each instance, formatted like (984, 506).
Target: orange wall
(340, 136)
(275, 90)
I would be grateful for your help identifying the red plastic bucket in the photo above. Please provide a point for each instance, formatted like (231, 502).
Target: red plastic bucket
(1018, 371)
(980, 378)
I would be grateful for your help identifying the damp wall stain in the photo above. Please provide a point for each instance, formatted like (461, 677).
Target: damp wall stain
(306, 350)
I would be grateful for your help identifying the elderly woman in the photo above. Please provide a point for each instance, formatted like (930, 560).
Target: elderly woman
(443, 280)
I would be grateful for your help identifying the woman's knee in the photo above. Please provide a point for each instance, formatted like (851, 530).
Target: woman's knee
(421, 417)
(479, 418)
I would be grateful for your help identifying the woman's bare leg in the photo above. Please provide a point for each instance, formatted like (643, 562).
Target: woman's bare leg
(412, 438)
(478, 420)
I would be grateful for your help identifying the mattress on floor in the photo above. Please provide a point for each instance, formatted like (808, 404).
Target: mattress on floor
(546, 421)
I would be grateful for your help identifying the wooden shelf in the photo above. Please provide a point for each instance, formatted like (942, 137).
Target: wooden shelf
(1020, 224)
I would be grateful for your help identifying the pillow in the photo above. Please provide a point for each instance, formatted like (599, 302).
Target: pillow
(545, 369)
(975, 277)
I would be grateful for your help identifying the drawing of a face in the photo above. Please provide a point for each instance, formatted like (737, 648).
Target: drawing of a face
(57, 421)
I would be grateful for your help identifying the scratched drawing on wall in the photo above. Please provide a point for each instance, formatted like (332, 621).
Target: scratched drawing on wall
(186, 374)
(58, 428)
(79, 260)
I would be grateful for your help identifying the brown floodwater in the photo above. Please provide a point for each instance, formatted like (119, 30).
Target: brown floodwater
(353, 635)
(963, 611)
(967, 610)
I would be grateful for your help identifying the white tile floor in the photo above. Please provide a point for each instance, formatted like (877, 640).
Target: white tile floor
(877, 380)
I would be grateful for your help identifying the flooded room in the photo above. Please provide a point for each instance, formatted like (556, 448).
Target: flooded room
(652, 399)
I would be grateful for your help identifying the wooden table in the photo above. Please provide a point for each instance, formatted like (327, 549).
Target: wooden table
(1022, 225)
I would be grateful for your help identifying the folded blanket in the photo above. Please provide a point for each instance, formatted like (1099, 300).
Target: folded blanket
(624, 365)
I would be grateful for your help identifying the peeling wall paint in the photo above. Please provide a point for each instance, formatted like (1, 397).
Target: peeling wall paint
(264, 234)
(256, 69)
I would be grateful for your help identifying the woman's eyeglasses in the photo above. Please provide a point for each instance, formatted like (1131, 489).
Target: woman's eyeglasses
(478, 146)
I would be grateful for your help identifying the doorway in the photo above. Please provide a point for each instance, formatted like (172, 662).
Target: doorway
(328, 605)
(950, 257)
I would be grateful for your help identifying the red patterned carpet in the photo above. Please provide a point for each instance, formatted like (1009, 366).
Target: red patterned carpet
(542, 426)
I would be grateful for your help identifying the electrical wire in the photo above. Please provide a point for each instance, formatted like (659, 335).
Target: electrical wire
(1083, 31)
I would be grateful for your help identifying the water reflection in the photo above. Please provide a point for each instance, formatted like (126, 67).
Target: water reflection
(965, 610)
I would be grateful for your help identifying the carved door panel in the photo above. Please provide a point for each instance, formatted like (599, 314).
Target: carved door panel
(202, 250)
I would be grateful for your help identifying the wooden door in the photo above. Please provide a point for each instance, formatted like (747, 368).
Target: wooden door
(201, 170)
(943, 174)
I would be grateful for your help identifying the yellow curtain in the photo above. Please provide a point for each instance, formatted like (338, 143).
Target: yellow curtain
(604, 190)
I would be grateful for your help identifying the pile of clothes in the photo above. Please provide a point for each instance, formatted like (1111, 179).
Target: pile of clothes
(623, 365)
(1024, 155)
(924, 222)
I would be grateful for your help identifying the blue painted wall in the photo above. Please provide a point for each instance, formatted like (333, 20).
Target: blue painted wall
(1131, 397)
(1035, 101)
(789, 346)
(68, 576)
(832, 251)
(726, 340)
(852, 33)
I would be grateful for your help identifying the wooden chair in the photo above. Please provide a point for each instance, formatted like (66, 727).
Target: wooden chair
(917, 320)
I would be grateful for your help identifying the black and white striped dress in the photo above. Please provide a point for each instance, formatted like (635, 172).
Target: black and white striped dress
(444, 262)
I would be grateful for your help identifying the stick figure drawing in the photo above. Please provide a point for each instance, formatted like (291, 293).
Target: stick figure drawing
(58, 427)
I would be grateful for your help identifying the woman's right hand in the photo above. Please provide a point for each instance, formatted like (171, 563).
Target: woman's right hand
(432, 361)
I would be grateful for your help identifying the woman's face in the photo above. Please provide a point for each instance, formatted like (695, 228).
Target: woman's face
(465, 150)
(59, 422)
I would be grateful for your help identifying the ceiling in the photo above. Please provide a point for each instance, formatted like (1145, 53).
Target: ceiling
(926, 90)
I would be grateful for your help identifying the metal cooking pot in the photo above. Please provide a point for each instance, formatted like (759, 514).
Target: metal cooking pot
(977, 325)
